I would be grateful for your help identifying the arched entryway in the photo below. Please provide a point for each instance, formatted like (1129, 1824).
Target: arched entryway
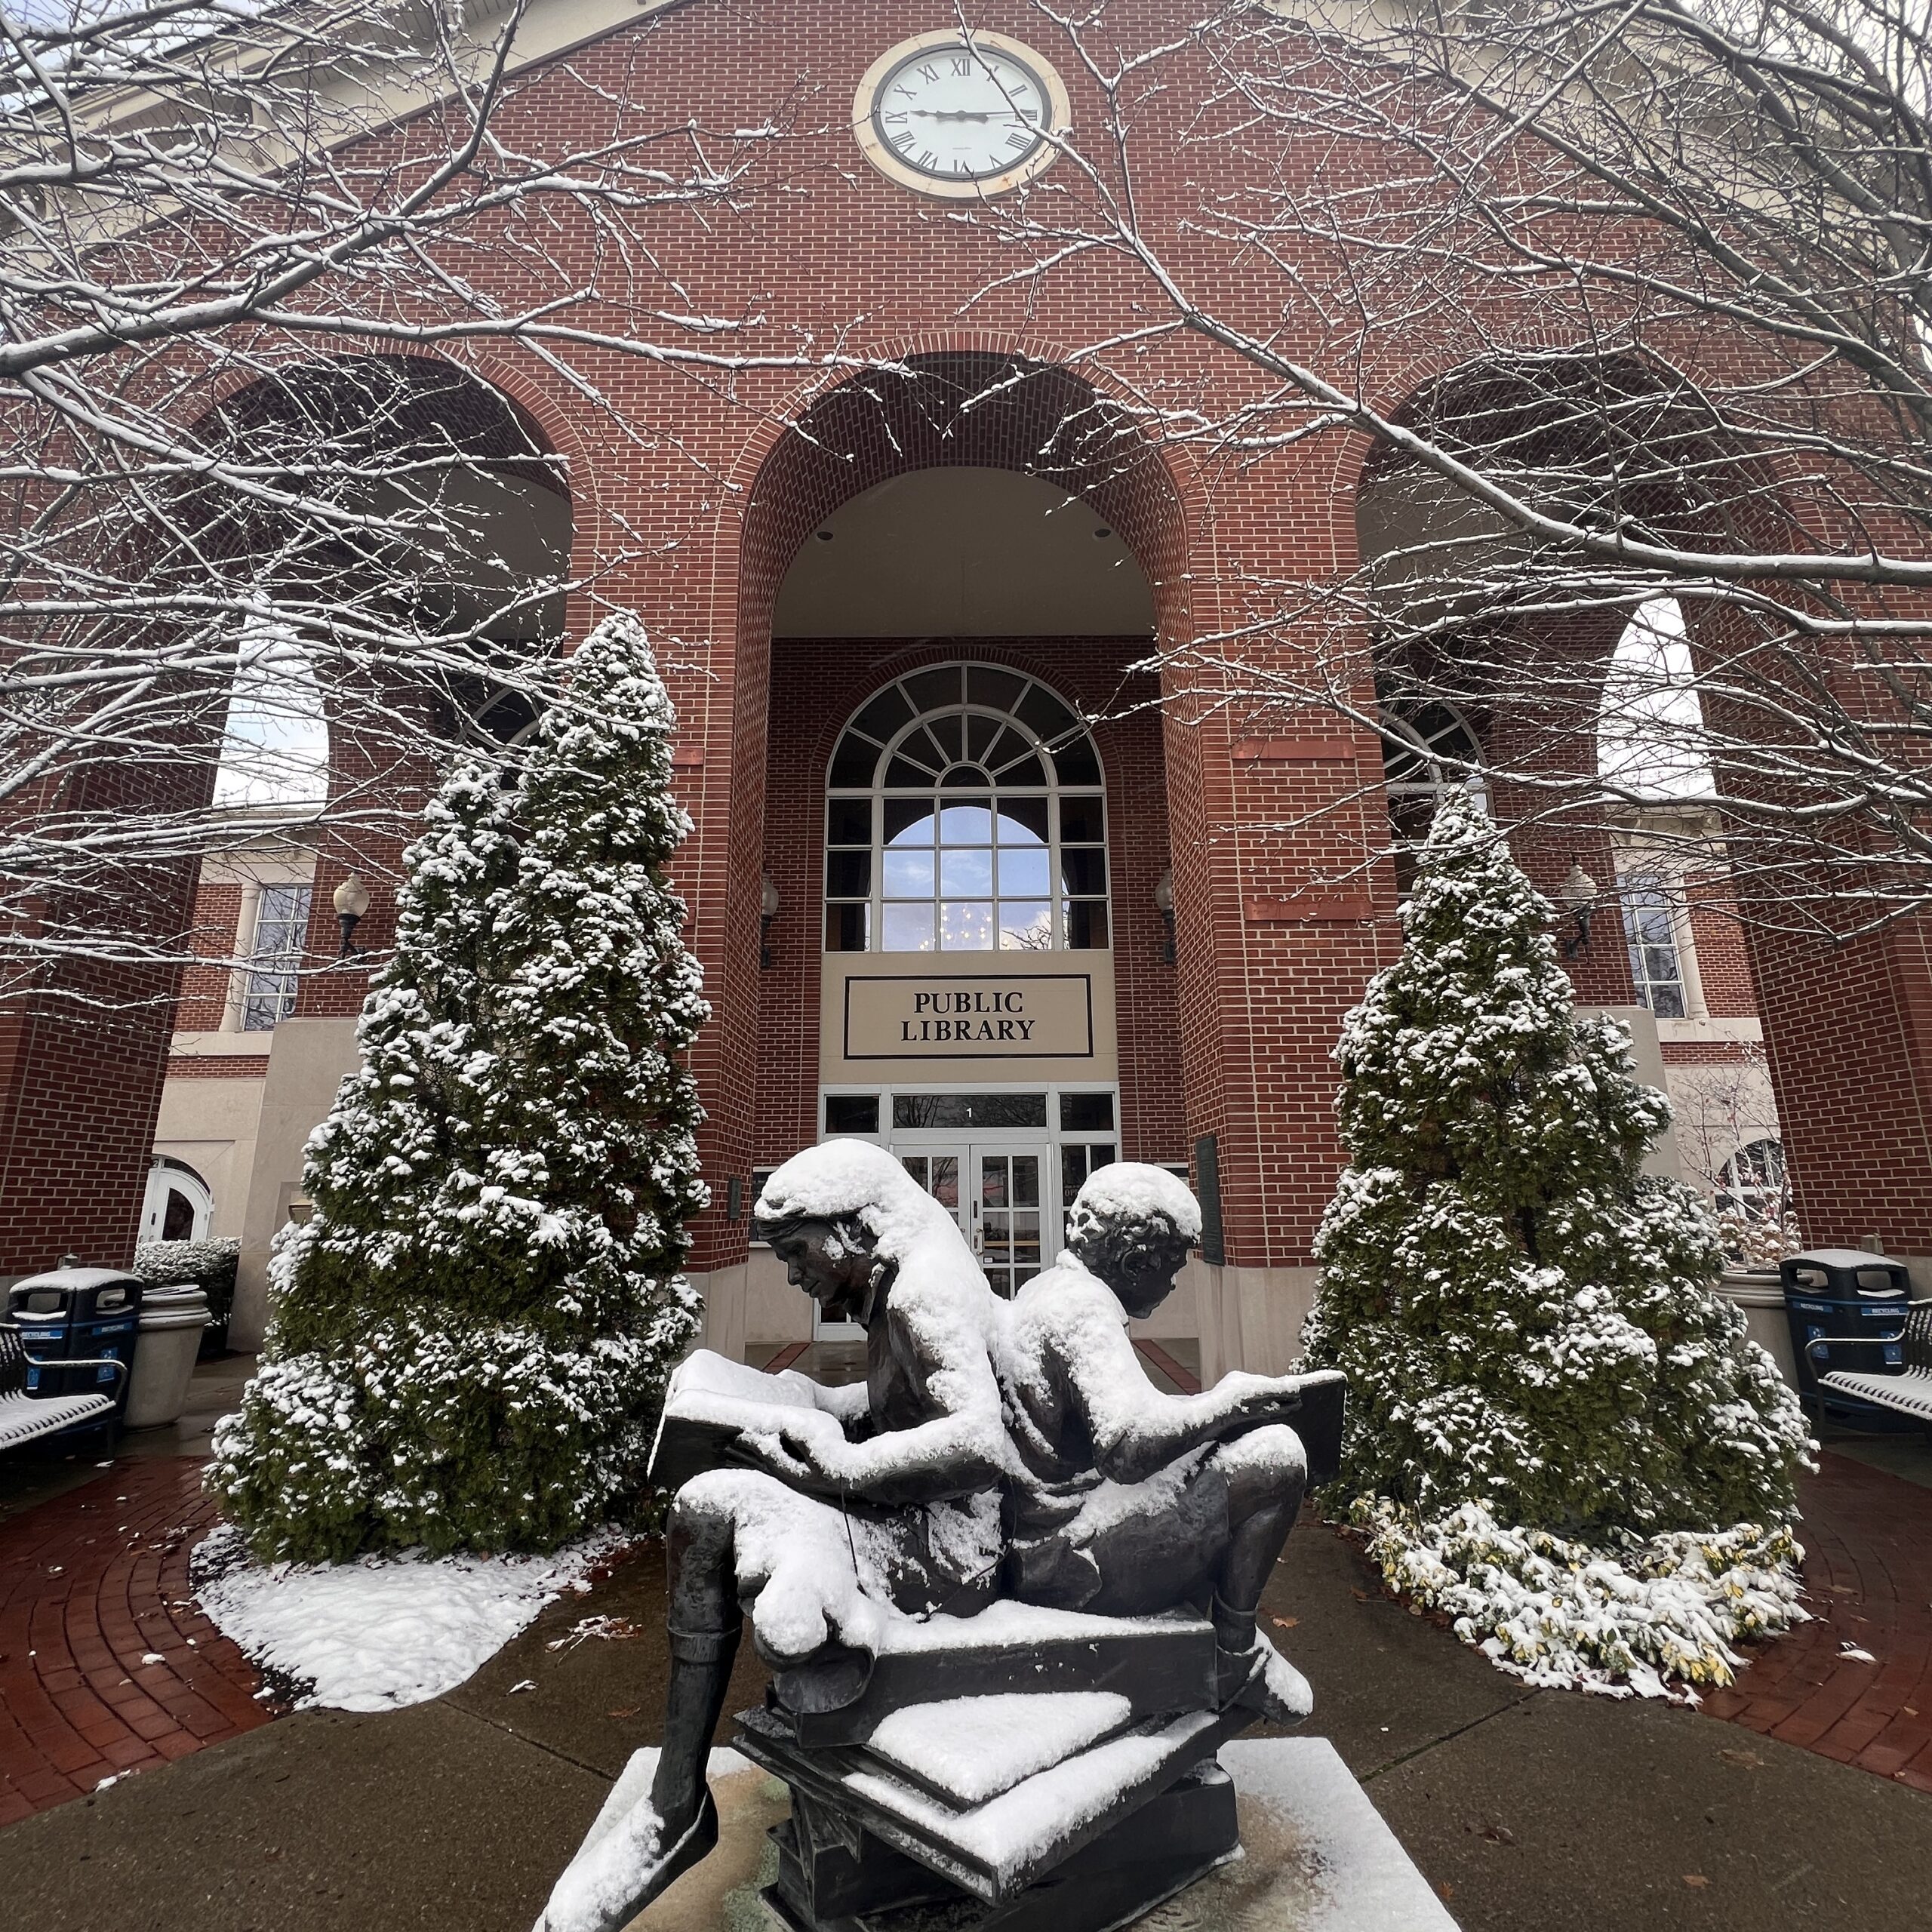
(1640, 728)
(953, 575)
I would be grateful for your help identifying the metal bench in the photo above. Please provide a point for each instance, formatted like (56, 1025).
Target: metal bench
(1907, 1389)
(25, 1417)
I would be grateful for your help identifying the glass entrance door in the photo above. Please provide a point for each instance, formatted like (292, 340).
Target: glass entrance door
(994, 1190)
(939, 1173)
(1009, 1234)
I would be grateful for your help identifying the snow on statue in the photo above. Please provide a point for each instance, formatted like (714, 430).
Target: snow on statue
(1558, 1430)
(468, 1338)
(1126, 1500)
(851, 1501)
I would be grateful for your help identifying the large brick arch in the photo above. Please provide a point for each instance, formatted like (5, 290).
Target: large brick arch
(84, 1041)
(984, 407)
(1847, 1016)
(393, 409)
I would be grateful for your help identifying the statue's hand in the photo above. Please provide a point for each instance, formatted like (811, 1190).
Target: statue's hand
(1267, 1402)
(815, 1439)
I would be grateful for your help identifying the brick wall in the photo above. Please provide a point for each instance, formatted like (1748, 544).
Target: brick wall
(205, 985)
(1283, 906)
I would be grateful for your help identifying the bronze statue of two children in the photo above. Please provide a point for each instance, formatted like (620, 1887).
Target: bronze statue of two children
(995, 1450)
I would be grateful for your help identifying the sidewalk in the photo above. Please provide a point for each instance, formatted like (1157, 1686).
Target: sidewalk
(1530, 1811)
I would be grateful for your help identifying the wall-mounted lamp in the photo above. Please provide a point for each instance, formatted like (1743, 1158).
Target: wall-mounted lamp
(351, 900)
(767, 911)
(1577, 896)
(1164, 904)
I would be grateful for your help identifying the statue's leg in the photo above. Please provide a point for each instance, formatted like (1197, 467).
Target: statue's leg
(706, 1623)
(1267, 1475)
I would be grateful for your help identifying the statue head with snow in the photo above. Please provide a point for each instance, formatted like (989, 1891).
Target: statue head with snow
(829, 1249)
(1132, 1225)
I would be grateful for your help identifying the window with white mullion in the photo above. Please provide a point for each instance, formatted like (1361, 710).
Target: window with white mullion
(965, 813)
(1649, 929)
(275, 957)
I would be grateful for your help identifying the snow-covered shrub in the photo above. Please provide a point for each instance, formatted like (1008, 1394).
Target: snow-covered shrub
(210, 1265)
(1528, 1322)
(1634, 1617)
(468, 1338)
(1749, 1241)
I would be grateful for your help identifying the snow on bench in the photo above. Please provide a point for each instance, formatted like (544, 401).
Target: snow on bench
(1909, 1390)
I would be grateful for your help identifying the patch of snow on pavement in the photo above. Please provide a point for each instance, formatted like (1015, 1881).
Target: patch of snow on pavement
(381, 1632)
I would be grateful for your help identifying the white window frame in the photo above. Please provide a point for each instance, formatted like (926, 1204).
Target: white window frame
(1057, 899)
(288, 969)
(1639, 860)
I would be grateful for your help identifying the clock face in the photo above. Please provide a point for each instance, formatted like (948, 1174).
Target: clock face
(955, 118)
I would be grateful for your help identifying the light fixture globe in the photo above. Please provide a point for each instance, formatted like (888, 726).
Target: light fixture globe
(351, 899)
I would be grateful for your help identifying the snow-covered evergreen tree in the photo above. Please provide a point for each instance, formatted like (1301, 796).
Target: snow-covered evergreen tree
(1558, 1431)
(1527, 1320)
(468, 1338)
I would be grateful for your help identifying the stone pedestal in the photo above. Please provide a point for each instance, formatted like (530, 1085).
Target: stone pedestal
(1315, 1857)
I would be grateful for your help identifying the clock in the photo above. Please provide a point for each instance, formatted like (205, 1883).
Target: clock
(958, 116)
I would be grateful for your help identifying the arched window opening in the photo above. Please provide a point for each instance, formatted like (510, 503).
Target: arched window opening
(1752, 1184)
(1428, 749)
(274, 748)
(1650, 735)
(965, 814)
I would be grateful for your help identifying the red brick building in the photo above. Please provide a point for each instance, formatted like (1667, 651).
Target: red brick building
(888, 600)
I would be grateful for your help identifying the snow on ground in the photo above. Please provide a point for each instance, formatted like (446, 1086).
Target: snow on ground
(381, 1632)
(1651, 1619)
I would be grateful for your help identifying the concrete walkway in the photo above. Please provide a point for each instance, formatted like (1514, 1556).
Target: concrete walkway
(1530, 1810)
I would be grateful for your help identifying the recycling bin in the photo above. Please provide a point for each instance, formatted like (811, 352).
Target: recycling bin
(78, 1314)
(169, 1339)
(1841, 1293)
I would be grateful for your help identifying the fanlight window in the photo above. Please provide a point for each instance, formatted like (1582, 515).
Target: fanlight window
(1428, 749)
(965, 813)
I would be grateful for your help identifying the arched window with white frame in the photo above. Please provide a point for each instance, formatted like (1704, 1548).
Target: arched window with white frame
(1429, 748)
(965, 812)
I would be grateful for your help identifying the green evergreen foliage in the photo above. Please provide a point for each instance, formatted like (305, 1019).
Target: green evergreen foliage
(1528, 1321)
(469, 1337)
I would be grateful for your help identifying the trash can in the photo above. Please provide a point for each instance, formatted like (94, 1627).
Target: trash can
(1844, 1291)
(77, 1314)
(170, 1338)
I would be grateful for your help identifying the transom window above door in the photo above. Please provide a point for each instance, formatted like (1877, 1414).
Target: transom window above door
(965, 813)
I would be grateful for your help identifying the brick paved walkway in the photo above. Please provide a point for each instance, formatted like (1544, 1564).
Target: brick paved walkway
(1868, 1570)
(105, 1665)
(94, 1583)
